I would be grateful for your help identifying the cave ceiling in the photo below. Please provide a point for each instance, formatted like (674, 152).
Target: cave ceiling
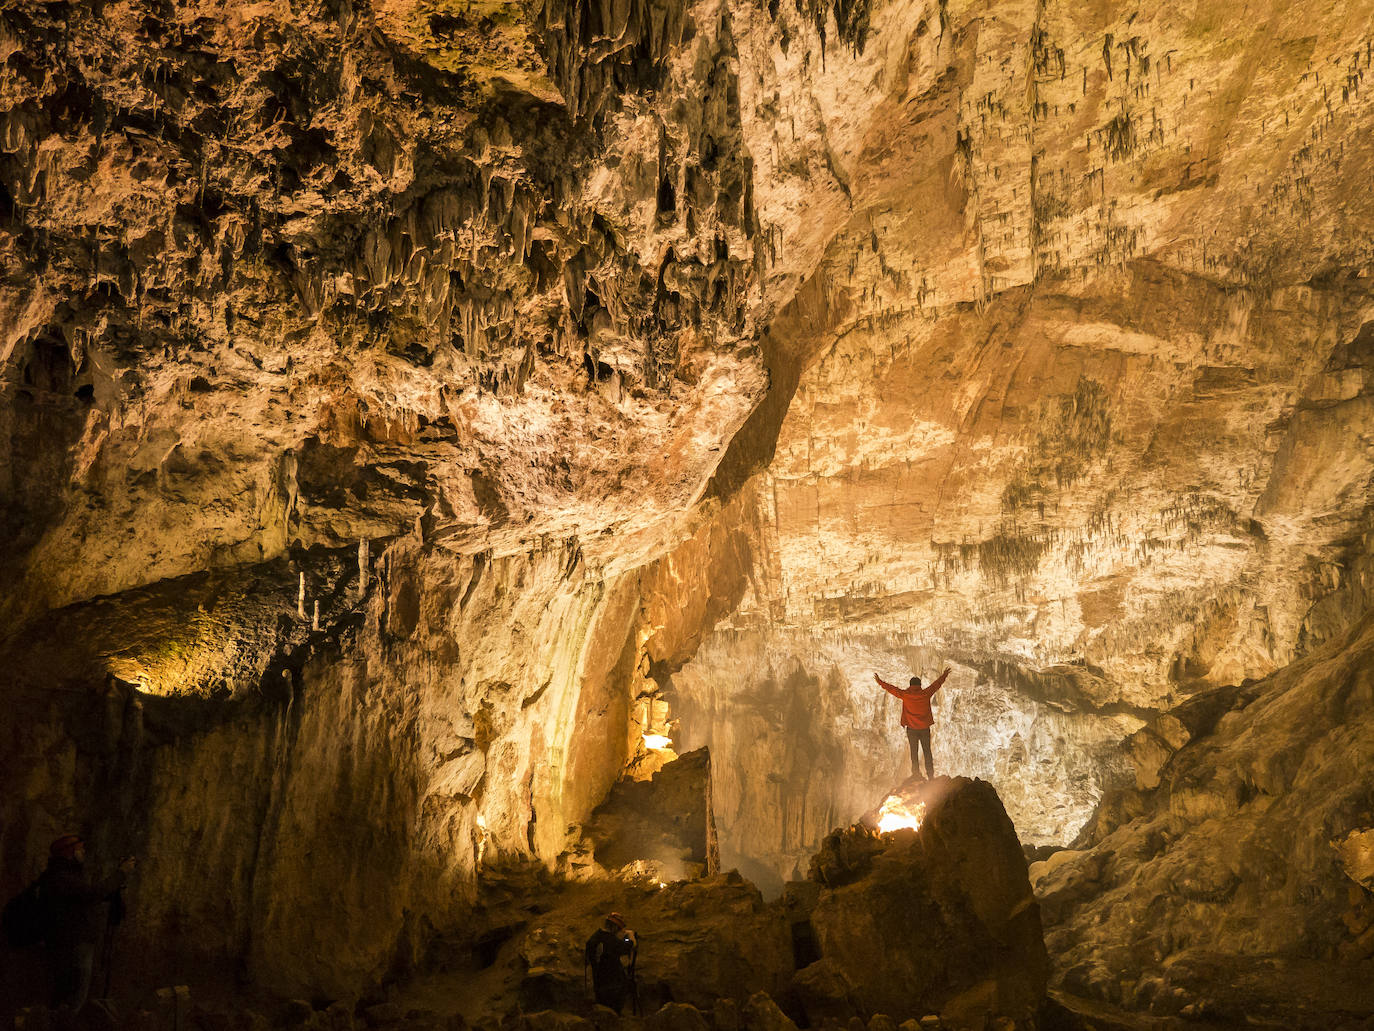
(1033, 332)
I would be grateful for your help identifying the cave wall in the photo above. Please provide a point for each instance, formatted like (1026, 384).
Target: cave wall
(1080, 408)
(805, 741)
(288, 281)
(1089, 535)
(1228, 879)
(1051, 499)
(313, 825)
(321, 822)
(1027, 337)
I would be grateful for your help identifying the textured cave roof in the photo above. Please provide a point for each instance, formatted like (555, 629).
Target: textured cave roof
(1067, 302)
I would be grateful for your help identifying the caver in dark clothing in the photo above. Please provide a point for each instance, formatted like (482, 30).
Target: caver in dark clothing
(611, 954)
(76, 917)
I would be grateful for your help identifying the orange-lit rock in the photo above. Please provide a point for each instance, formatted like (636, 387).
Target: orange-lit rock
(681, 365)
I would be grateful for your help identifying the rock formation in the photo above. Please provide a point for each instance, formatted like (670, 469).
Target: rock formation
(1250, 839)
(912, 924)
(939, 920)
(665, 824)
(406, 406)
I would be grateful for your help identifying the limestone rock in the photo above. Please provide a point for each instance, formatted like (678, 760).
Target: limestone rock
(761, 1013)
(1227, 874)
(938, 919)
(1356, 850)
(667, 821)
(824, 992)
(725, 1015)
(678, 1017)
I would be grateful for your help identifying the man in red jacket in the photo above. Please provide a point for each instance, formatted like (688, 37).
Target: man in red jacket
(916, 716)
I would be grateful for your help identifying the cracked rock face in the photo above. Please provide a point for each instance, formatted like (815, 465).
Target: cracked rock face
(1074, 417)
(409, 402)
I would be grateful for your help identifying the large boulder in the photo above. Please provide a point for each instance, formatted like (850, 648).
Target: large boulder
(936, 919)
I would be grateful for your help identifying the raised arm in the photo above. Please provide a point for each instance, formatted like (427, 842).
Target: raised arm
(896, 692)
(938, 683)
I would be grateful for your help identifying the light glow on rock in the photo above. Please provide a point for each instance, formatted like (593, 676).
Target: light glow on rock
(657, 741)
(893, 815)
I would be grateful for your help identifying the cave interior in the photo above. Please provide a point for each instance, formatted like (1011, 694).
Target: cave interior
(463, 464)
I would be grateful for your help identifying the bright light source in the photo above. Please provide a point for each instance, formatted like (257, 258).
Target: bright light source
(657, 741)
(481, 821)
(893, 815)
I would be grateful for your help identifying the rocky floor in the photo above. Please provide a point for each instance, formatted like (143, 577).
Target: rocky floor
(938, 927)
(910, 930)
(908, 925)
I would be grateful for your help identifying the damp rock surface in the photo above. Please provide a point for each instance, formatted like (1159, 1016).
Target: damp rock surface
(403, 403)
(906, 925)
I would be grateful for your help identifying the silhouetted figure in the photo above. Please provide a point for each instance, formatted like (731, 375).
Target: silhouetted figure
(917, 717)
(75, 919)
(611, 953)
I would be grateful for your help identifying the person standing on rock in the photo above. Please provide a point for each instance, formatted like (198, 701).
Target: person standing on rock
(917, 716)
(611, 953)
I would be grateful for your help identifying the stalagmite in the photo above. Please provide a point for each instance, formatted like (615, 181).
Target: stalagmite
(363, 567)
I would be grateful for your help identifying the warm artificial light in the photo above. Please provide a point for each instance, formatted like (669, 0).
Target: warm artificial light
(893, 815)
(657, 741)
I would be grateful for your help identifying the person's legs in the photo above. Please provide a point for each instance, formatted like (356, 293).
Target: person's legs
(923, 737)
(604, 996)
(71, 981)
(63, 974)
(913, 739)
(612, 993)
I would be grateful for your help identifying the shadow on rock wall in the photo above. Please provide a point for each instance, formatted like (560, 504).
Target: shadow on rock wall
(308, 829)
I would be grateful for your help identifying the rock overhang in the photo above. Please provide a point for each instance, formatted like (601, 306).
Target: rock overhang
(1058, 317)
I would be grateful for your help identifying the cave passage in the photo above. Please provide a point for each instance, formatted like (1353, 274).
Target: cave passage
(463, 466)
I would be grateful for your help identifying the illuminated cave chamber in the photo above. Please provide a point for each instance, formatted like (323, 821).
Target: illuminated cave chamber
(424, 430)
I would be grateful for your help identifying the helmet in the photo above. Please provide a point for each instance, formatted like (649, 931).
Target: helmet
(66, 846)
(616, 920)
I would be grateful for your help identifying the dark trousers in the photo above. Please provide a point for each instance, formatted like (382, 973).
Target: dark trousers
(919, 739)
(611, 992)
(71, 965)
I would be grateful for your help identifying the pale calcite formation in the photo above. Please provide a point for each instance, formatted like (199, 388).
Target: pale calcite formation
(1084, 402)
(707, 355)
